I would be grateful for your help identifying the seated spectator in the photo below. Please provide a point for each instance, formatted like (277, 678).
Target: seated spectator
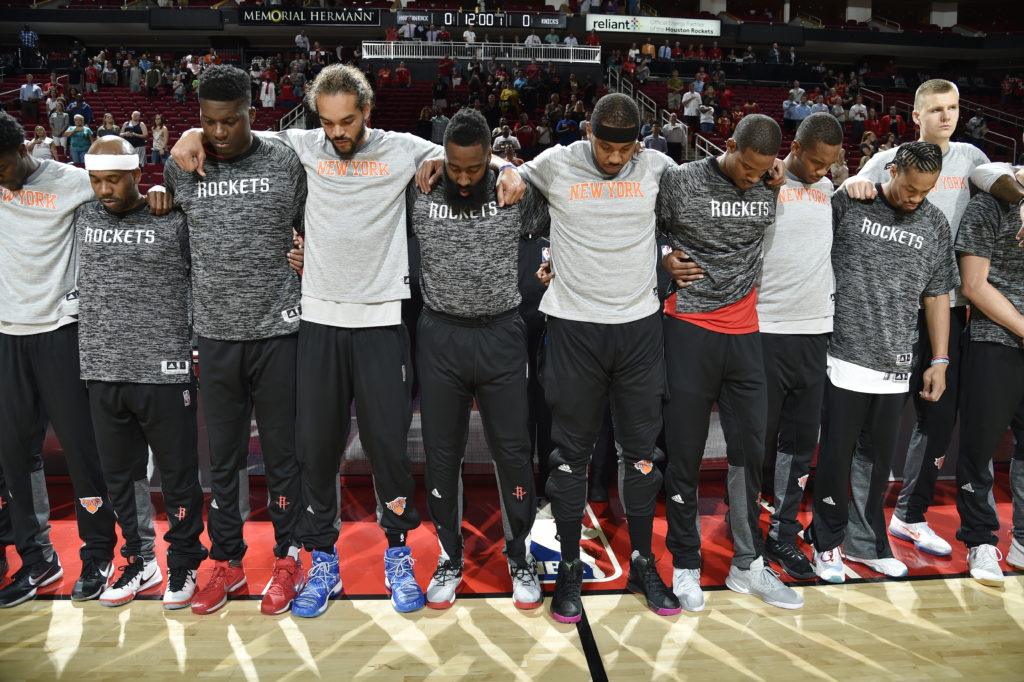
(888, 142)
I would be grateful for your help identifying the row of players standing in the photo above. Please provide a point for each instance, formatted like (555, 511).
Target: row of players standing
(347, 345)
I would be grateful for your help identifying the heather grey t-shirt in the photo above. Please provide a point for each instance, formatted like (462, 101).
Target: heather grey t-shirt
(133, 279)
(952, 189)
(603, 247)
(469, 260)
(720, 226)
(40, 255)
(884, 261)
(989, 230)
(240, 220)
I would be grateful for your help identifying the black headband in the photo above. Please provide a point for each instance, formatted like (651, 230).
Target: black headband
(609, 134)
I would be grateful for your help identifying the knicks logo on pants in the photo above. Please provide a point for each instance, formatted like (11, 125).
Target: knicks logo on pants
(397, 505)
(644, 466)
(91, 504)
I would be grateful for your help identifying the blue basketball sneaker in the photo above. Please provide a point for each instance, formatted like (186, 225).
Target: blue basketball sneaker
(399, 579)
(322, 580)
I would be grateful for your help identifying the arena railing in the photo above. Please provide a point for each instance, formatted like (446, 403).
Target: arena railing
(415, 49)
(297, 114)
(870, 95)
(706, 147)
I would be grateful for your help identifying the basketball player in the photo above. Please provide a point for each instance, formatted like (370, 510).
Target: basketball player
(603, 336)
(240, 220)
(135, 341)
(936, 111)
(992, 269)
(472, 344)
(718, 211)
(887, 253)
(40, 367)
(352, 344)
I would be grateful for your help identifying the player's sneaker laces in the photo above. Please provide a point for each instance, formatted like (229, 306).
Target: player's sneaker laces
(1015, 557)
(790, 557)
(28, 579)
(921, 534)
(644, 579)
(400, 580)
(285, 584)
(181, 587)
(322, 580)
(889, 567)
(136, 576)
(762, 581)
(444, 583)
(686, 587)
(566, 603)
(526, 591)
(984, 564)
(225, 580)
(828, 565)
(93, 580)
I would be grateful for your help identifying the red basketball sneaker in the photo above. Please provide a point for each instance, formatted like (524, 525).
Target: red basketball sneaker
(288, 581)
(225, 580)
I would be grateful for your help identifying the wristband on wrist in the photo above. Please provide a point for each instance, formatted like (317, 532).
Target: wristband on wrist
(940, 360)
(507, 165)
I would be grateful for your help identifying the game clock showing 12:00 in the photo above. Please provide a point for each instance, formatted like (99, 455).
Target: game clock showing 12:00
(499, 20)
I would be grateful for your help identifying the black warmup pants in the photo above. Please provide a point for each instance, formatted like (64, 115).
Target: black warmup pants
(42, 511)
(336, 366)
(459, 359)
(41, 371)
(794, 367)
(129, 420)
(935, 421)
(531, 290)
(237, 376)
(850, 420)
(705, 367)
(993, 391)
(585, 366)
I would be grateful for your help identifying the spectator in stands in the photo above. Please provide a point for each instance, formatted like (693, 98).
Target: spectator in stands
(30, 95)
(592, 39)
(647, 126)
(390, 35)
(702, 54)
(867, 148)
(268, 93)
(532, 39)
(508, 99)
(134, 76)
(610, 7)
(888, 142)
(403, 77)
(570, 40)
(838, 111)
(28, 39)
(894, 123)
(802, 110)
(444, 69)
(797, 91)
(578, 113)
(733, 58)
(677, 51)
(161, 140)
(791, 59)
(633, 53)
(1006, 88)
(648, 50)
(444, 35)
(385, 76)
(976, 130)
(643, 73)
(552, 38)
(79, 139)
(108, 127)
(567, 131)
(51, 100)
(723, 126)
(839, 170)
(526, 134)
(302, 41)
(506, 137)
(491, 111)
(789, 112)
(858, 115)
(675, 135)
(438, 124)
(91, 75)
(542, 136)
(665, 51)
(751, 107)
(707, 118)
(59, 122)
(675, 87)
(715, 54)
(820, 68)
(819, 105)
(629, 68)
(425, 125)
(508, 153)
(750, 57)
(286, 93)
(774, 56)
(178, 88)
(41, 146)
(135, 131)
(154, 78)
(655, 140)
(691, 109)
(408, 32)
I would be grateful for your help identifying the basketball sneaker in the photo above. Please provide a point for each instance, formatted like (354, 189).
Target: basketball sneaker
(226, 579)
(686, 587)
(93, 580)
(828, 565)
(322, 580)
(762, 581)
(644, 579)
(889, 567)
(790, 557)
(984, 564)
(4, 566)
(921, 534)
(137, 576)
(28, 579)
(1015, 557)
(400, 580)
(286, 582)
(181, 587)
(566, 603)
(526, 591)
(442, 587)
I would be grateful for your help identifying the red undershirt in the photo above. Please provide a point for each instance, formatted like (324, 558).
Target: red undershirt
(737, 318)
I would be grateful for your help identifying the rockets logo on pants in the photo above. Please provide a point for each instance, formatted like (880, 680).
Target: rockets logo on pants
(600, 565)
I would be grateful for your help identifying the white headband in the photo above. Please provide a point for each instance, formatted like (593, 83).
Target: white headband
(107, 162)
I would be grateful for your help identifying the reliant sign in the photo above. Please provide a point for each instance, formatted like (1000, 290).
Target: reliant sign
(679, 27)
(261, 16)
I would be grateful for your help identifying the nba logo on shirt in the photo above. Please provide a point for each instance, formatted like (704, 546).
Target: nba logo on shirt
(187, 397)
(904, 358)
(545, 254)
